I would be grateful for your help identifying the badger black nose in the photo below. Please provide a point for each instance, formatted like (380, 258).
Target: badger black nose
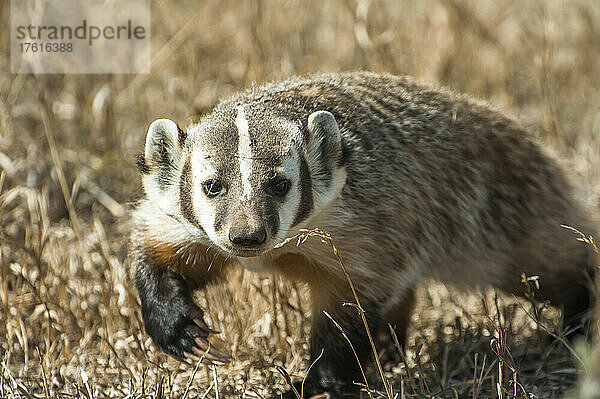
(248, 238)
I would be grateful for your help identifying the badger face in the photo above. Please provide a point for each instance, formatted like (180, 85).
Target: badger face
(244, 179)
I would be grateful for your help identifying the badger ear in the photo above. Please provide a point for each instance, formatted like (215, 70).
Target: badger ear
(161, 163)
(325, 140)
(325, 155)
(164, 141)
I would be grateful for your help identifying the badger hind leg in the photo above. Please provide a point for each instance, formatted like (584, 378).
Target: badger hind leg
(565, 269)
(396, 315)
(571, 291)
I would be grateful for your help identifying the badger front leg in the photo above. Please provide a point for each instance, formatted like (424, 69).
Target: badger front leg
(336, 368)
(171, 317)
(165, 277)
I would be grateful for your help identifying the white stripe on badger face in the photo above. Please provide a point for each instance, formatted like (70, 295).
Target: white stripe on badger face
(244, 153)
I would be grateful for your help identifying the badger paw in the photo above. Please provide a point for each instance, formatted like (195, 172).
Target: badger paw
(177, 327)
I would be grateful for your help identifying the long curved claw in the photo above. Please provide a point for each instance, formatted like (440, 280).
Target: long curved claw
(202, 325)
(210, 352)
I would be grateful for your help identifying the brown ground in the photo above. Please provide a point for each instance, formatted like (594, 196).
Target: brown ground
(70, 323)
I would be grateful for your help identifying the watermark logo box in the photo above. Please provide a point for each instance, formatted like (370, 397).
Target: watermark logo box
(80, 36)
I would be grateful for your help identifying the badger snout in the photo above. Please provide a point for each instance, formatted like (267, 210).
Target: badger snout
(247, 237)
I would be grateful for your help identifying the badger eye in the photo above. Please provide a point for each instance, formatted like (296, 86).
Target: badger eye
(212, 187)
(279, 187)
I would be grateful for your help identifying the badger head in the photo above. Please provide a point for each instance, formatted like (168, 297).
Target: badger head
(244, 179)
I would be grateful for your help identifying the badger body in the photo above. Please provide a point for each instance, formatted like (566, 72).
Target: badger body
(413, 182)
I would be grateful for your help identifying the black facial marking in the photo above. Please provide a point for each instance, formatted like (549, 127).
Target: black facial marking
(140, 161)
(185, 194)
(181, 137)
(305, 133)
(306, 194)
(272, 217)
(221, 214)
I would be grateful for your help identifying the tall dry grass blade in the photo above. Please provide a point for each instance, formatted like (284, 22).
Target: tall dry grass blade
(339, 327)
(307, 372)
(400, 350)
(288, 379)
(210, 387)
(326, 238)
(474, 395)
(189, 384)
(49, 130)
(213, 368)
(2, 178)
(558, 337)
(44, 375)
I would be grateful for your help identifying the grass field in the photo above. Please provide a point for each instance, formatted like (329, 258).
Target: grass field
(70, 321)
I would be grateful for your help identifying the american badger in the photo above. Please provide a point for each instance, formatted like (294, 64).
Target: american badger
(412, 182)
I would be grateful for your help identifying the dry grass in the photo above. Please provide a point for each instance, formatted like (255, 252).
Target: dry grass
(70, 319)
